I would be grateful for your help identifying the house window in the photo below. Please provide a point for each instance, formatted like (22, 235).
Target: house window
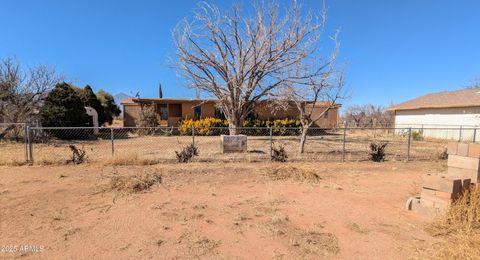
(197, 112)
(326, 114)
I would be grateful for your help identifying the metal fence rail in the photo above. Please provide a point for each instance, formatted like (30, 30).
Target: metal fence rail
(52, 145)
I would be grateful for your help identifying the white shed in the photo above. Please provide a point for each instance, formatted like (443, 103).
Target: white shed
(447, 115)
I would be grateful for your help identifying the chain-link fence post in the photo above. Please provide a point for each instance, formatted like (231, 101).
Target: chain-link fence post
(193, 136)
(25, 140)
(271, 142)
(29, 139)
(408, 143)
(112, 140)
(474, 135)
(460, 134)
(344, 140)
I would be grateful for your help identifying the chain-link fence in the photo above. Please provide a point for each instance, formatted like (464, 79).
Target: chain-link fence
(13, 143)
(52, 145)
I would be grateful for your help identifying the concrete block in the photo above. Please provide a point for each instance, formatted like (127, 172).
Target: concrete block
(452, 148)
(474, 150)
(435, 202)
(233, 143)
(463, 162)
(472, 175)
(442, 183)
(426, 192)
(462, 149)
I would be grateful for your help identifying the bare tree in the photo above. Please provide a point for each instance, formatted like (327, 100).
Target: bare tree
(368, 115)
(241, 58)
(475, 83)
(316, 96)
(22, 91)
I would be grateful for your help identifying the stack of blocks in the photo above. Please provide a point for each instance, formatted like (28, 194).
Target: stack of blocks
(464, 161)
(440, 190)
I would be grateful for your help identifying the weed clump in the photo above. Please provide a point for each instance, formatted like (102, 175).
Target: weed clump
(279, 155)
(443, 155)
(187, 153)
(134, 184)
(377, 152)
(293, 173)
(78, 155)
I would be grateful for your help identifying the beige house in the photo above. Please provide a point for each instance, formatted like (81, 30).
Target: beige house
(170, 111)
(446, 115)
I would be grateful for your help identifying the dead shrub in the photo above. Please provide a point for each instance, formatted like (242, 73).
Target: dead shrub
(279, 154)
(134, 184)
(377, 151)
(460, 227)
(78, 155)
(443, 155)
(293, 173)
(187, 153)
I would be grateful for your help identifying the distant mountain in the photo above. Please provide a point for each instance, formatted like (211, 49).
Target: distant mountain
(119, 97)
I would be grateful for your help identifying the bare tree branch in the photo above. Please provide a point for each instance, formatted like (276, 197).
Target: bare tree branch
(241, 59)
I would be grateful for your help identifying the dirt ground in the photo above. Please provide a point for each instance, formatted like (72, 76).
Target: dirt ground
(351, 210)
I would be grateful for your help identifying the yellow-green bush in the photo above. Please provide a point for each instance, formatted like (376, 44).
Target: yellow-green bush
(204, 126)
(215, 126)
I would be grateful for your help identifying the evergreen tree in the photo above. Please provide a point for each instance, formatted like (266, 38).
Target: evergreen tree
(110, 108)
(90, 100)
(63, 108)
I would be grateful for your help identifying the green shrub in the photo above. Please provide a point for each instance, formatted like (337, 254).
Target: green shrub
(417, 135)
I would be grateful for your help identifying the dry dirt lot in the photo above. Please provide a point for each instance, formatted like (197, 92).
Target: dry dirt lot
(331, 210)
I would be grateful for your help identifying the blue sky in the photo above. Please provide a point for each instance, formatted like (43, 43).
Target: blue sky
(395, 50)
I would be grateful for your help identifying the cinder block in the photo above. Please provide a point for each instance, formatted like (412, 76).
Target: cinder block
(463, 162)
(435, 202)
(234, 143)
(426, 192)
(462, 149)
(442, 183)
(465, 174)
(452, 148)
(474, 150)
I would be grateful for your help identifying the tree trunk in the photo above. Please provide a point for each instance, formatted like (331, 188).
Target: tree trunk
(303, 139)
(234, 124)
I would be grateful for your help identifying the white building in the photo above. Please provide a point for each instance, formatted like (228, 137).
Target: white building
(451, 115)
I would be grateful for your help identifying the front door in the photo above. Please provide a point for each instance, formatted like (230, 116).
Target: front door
(162, 112)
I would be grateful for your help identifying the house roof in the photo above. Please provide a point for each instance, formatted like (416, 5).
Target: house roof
(445, 99)
(163, 100)
(179, 100)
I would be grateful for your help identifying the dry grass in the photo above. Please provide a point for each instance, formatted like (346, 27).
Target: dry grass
(294, 173)
(460, 228)
(134, 184)
(129, 159)
(315, 243)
